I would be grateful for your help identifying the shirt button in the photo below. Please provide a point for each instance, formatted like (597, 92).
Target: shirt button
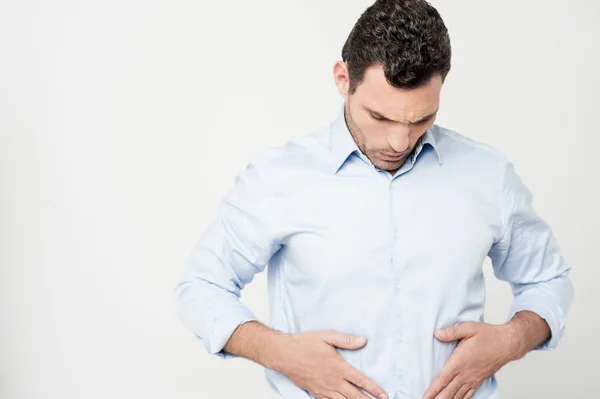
(402, 389)
(398, 286)
(396, 234)
(401, 338)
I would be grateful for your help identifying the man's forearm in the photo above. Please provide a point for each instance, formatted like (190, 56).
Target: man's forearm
(530, 330)
(257, 342)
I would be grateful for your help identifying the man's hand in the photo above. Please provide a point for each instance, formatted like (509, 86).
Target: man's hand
(482, 350)
(311, 361)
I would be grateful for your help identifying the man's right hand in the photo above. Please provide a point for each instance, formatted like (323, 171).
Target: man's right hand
(311, 361)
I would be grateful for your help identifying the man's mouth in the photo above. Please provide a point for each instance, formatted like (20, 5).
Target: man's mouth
(393, 157)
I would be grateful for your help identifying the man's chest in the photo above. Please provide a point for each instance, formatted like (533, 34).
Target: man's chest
(362, 229)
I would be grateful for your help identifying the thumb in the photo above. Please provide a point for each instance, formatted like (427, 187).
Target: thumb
(345, 341)
(452, 333)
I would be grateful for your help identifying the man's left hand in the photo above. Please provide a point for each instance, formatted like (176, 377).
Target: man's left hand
(482, 350)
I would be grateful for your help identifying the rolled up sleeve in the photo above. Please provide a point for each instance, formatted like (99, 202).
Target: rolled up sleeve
(238, 244)
(528, 257)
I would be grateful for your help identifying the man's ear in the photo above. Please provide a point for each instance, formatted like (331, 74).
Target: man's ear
(341, 78)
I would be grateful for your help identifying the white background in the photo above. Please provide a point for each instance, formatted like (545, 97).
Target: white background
(123, 122)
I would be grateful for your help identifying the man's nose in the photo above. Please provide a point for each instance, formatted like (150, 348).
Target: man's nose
(399, 140)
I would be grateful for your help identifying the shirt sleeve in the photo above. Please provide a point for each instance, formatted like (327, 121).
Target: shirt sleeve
(528, 257)
(238, 244)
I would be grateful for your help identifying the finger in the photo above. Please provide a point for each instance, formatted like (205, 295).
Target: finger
(450, 390)
(460, 394)
(345, 341)
(470, 393)
(444, 377)
(362, 381)
(351, 392)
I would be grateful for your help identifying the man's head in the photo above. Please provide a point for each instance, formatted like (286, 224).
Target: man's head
(393, 65)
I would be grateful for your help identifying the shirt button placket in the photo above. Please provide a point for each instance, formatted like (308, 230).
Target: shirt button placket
(399, 341)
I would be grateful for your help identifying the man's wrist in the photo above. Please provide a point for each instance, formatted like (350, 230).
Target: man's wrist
(516, 338)
(275, 350)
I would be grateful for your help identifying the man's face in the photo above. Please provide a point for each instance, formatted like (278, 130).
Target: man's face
(386, 122)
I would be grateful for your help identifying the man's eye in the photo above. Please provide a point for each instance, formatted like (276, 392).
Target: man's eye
(377, 118)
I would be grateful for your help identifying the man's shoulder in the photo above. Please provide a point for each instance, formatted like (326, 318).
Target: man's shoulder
(455, 145)
(302, 151)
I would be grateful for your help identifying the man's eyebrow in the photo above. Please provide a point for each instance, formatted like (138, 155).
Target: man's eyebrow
(378, 115)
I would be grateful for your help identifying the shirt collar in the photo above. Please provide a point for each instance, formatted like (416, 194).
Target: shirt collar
(343, 145)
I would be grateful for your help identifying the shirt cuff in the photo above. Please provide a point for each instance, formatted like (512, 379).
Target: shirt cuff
(222, 327)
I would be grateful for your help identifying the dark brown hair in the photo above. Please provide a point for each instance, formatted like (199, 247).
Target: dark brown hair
(408, 37)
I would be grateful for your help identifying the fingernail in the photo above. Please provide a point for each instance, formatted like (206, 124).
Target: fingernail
(383, 396)
(360, 340)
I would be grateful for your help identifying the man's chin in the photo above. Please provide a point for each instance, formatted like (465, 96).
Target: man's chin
(389, 165)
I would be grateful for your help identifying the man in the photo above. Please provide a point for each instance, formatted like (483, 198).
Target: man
(377, 228)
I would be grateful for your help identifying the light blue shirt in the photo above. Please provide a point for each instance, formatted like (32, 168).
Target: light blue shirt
(392, 258)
